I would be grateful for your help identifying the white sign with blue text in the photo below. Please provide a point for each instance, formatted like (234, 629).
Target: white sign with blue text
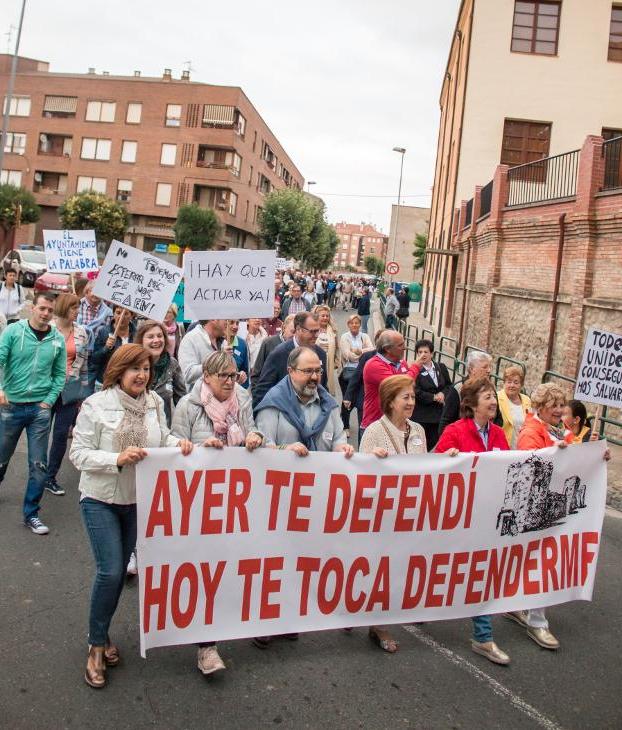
(70, 252)
(138, 281)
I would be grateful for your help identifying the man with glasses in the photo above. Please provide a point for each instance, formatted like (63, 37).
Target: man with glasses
(295, 303)
(306, 331)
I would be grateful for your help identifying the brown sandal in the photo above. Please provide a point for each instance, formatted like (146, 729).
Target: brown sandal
(95, 673)
(383, 640)
(111, 655)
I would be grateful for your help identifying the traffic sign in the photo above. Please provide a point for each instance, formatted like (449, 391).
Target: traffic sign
(393, 268)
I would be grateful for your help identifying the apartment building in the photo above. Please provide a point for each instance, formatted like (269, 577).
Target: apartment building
(356, 242)
(525, 79)
(152, 143)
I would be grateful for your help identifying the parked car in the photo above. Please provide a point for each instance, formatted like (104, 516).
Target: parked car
(29, 264)
(56, 283)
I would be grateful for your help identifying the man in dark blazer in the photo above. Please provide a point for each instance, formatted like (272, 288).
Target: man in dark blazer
(431, 388)
(270, 344)
(306, 331)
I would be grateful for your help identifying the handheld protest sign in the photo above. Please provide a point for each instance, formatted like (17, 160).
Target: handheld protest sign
(233, 284)
(599, 379)
(67, 252)
(137, 281)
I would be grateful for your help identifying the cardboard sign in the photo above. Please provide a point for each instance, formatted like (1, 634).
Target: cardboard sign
(68, 252)
(233, 284)
(137, 281)
(233, 544)
(599, 379)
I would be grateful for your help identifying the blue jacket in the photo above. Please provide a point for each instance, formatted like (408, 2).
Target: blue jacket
(275, 369)
(240, 355)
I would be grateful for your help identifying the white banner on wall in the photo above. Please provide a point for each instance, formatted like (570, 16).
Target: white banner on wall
(233, 284)
(599, 379)
(233, 544)
(70, 252)
(138, 281)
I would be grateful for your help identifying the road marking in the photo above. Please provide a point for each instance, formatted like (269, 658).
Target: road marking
(498, 688)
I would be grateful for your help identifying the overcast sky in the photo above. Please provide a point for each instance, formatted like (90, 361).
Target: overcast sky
(340, 82)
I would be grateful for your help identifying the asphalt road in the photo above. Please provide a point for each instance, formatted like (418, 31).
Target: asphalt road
(326, 680)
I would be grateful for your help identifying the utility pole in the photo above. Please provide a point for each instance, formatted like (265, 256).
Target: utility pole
(402, 152)
(11, 86)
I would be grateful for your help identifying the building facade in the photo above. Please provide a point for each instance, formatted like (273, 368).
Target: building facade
(525, 79)
(412, 221)
(356, 242)
(152, 143)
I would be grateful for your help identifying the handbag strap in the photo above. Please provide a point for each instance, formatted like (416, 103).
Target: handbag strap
(392, 440)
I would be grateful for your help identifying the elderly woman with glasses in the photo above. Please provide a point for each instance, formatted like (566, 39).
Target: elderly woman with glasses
(217, 412)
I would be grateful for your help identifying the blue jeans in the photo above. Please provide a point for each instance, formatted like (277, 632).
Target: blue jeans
(14, 418)
(391, 321)
(482, 628)
(64, 416)
(112, 531)
(364, 321)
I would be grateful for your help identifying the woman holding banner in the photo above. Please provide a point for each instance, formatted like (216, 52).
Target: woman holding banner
(393, 434)
(217, 412)
(113, 429)
(475, 432)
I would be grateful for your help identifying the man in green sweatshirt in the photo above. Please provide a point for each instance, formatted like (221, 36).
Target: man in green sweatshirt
(33, 361)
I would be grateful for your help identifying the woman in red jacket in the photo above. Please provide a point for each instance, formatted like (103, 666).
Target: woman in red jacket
(475, 432)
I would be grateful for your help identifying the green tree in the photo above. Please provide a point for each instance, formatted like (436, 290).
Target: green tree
(319, 251)
(287, 220)
(89, 209)
(196, 227)
(420, 243)
(11, 198)
(374, 265)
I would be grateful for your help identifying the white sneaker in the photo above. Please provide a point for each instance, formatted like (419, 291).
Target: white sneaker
(208, 660)
(35, 524)
(132, 566)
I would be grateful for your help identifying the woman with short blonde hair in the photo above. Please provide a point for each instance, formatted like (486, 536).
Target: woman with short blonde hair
(327, 340)
(513, 404)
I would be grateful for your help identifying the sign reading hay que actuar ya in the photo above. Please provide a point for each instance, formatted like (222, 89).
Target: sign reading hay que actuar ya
(599, 379)
(138, 281)
(233, 284)
(68, 252)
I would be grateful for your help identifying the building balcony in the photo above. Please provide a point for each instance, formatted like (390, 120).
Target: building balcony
(55, 145)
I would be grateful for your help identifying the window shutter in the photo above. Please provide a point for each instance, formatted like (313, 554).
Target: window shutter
(64, 104)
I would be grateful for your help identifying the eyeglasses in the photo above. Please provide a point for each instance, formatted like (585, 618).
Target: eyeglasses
(315, 333)
(227, 376)
(310, 371)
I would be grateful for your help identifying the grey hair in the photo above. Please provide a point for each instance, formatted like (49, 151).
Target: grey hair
(385, 340)
(217, 361)
(476, 356)
(294, 356)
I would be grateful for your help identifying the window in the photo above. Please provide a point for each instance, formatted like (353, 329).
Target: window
(134, 112)
(536, 27)
(233, 203)
(163, 193)
(168, 154)
(610, 133)
(128, 151)
(62, 107)
(239, 123)
(615, 34)
(124, 191)
(173, 115)
(524, 142)
(55, 145)
(11, 177)
(100, 111)
(95, 149)
(19, 107)
(97, 184)
(15, 143)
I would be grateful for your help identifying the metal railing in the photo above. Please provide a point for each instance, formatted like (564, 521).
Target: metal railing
(551, 178)
(612, 153)
(469, 213)
(486, 199)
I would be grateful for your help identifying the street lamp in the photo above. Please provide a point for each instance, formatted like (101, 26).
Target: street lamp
(309, 183)
(402, 151)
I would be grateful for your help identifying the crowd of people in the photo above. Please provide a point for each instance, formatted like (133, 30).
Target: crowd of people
(78, 368)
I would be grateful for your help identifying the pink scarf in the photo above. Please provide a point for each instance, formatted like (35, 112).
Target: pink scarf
(171, 338)
(223, 415)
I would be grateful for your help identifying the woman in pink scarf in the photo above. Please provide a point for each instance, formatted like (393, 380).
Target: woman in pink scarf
(217, 412)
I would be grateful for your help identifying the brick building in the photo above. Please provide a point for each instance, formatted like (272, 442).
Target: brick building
(152, 143)
(412, 220)
(356, 242)
(525, 79)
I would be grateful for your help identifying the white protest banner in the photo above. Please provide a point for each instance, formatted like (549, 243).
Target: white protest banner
(599, 379)
(138, 281)
(68, 252)
(233, 284)
(233, 544)
(282, 264)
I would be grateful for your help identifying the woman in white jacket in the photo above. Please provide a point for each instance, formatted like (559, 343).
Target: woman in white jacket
(113, 429)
